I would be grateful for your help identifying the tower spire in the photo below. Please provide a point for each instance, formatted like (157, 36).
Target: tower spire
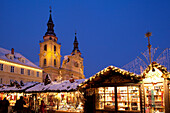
(50, 25)
(75, 46)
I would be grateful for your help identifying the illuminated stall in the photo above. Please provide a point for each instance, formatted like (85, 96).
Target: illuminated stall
(58, 96)
(116, 90)
(13, 91)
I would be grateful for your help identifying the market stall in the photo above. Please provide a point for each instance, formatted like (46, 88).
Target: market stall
(116, 90)
(13, 91)
(58, 96)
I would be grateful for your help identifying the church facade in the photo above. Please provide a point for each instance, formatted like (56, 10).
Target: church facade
(50, 57)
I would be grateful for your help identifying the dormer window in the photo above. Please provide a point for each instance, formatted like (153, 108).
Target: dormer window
(21, 59)
(10, 56)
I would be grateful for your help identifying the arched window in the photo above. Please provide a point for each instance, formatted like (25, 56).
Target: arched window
(54, 62)
(54, 48)
(45, 62)
(45, 47)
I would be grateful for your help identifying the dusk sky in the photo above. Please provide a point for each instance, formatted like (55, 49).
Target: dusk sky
(109, 32)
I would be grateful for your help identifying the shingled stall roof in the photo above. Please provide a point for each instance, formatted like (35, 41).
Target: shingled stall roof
(110, 71)
(17, 87)
(161, 68)
(63, 86)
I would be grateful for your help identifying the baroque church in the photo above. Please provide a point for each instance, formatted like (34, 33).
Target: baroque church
(50, 57)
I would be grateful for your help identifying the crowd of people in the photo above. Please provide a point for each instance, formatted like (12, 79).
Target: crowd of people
(19, 106)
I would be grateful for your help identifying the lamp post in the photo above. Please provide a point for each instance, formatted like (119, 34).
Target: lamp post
(148, 34)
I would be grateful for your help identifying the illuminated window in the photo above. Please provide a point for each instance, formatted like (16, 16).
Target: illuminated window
(45, 62)
(28, 72)
(37, 74)
(54, 62)
(105, 97)
(128, 98)
(45, 47)
(54, 48)
(1, 67)
(12, 68)
(22, 70)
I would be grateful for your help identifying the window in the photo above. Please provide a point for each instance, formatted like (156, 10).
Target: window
(22, 71)
(1, 81)
(54, 48)
(45, 62)
(23, 60)
(54, 62)
(1, 67)
(105, 97)
(12, 68)
(11, 80)
(45, 47)
(128, 98)
(154, 98)
(37, 74)
(28, 72)
(10, 57)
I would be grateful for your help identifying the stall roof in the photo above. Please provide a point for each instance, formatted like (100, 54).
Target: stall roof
(63, 86)
(163, 69)
(15, 88)
(105, 73)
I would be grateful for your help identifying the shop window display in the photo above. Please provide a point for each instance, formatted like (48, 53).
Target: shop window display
(154, 98)
(128, 98)
(105, 98)
(69, 101)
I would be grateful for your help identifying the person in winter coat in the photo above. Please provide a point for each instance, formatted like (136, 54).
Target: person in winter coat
(42, 107)
(19, 105)
(5, 104)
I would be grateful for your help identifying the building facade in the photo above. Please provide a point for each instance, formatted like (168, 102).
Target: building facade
(15, 67)
(50, 57)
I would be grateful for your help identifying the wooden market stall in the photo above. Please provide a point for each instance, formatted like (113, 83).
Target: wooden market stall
(114, 90)
(13, 91)
(60, 96)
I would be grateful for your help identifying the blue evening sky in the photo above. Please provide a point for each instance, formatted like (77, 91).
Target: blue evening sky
(109, 32)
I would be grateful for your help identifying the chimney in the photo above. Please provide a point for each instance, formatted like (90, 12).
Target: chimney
(12, 51)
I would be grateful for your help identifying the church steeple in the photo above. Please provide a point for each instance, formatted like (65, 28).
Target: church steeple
(50, 30)
(75, 46)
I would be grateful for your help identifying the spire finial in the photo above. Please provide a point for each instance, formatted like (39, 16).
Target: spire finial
(50, 10)
(148, 34)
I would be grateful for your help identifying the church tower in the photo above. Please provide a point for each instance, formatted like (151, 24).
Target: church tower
(74, 61)
(49, 57)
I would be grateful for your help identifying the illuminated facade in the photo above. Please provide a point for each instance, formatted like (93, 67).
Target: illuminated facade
(50, 57)
(15, 67)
